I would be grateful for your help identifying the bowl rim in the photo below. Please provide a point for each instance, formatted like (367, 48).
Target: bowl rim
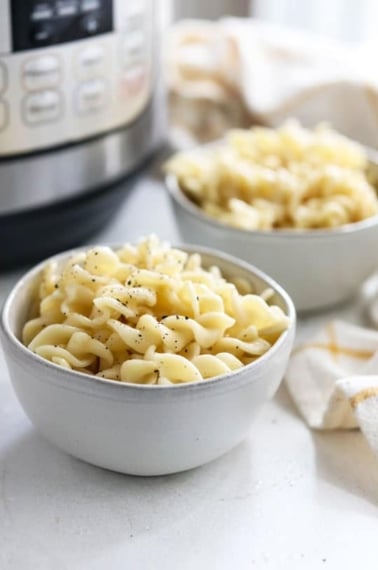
(179, 195)
(92, 381)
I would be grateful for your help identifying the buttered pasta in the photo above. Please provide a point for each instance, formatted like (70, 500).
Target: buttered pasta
(149, 314)
(290, 177)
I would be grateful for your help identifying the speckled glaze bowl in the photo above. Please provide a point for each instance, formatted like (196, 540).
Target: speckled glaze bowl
(318, 268)
(136, 429)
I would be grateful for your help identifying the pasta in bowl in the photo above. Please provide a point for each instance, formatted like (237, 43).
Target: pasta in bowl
(290, 201)
(157, 375)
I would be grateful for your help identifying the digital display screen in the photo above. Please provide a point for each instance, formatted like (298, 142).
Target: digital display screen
(41, 23)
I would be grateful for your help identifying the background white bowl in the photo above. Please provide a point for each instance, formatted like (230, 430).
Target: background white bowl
(318, 268)
(143, 430)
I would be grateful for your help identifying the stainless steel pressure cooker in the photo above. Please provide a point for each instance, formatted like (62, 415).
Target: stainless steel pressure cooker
(80, 108)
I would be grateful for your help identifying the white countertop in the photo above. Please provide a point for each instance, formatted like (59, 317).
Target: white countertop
(287, 498)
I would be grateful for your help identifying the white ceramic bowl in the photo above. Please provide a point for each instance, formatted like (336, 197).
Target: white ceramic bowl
(142, 430)
(318, 268)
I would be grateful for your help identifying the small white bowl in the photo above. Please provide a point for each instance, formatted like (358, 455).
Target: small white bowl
(318, 268)
(135, 429)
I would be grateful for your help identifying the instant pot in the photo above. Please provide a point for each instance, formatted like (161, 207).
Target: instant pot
(81, 107)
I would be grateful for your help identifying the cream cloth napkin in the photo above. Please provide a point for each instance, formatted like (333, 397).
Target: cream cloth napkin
(237, 72)
(333, 379)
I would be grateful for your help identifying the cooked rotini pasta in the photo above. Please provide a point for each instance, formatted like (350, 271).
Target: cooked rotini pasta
(149, 314)
(290, 177)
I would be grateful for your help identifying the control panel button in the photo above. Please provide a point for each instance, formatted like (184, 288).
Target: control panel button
(90, 5)
(133, 46)
(133, 80)
(3, 115)
(42, 107)
(42, 34)
(67, 8)
(90, 60)
(3, 78)
(41, 72)
(134, 21)
(91, 96)
(41, 11)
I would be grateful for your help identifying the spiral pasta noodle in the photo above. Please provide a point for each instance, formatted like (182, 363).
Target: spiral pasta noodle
(285, 178)
(149, 314)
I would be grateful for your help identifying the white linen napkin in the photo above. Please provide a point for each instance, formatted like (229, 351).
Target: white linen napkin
(333, 379)
(237, 72)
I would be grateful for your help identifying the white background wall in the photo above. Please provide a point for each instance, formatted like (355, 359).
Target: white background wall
(351, 20)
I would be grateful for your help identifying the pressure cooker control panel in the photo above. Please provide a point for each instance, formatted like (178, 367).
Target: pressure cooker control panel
(74, 81)
(39, 23)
